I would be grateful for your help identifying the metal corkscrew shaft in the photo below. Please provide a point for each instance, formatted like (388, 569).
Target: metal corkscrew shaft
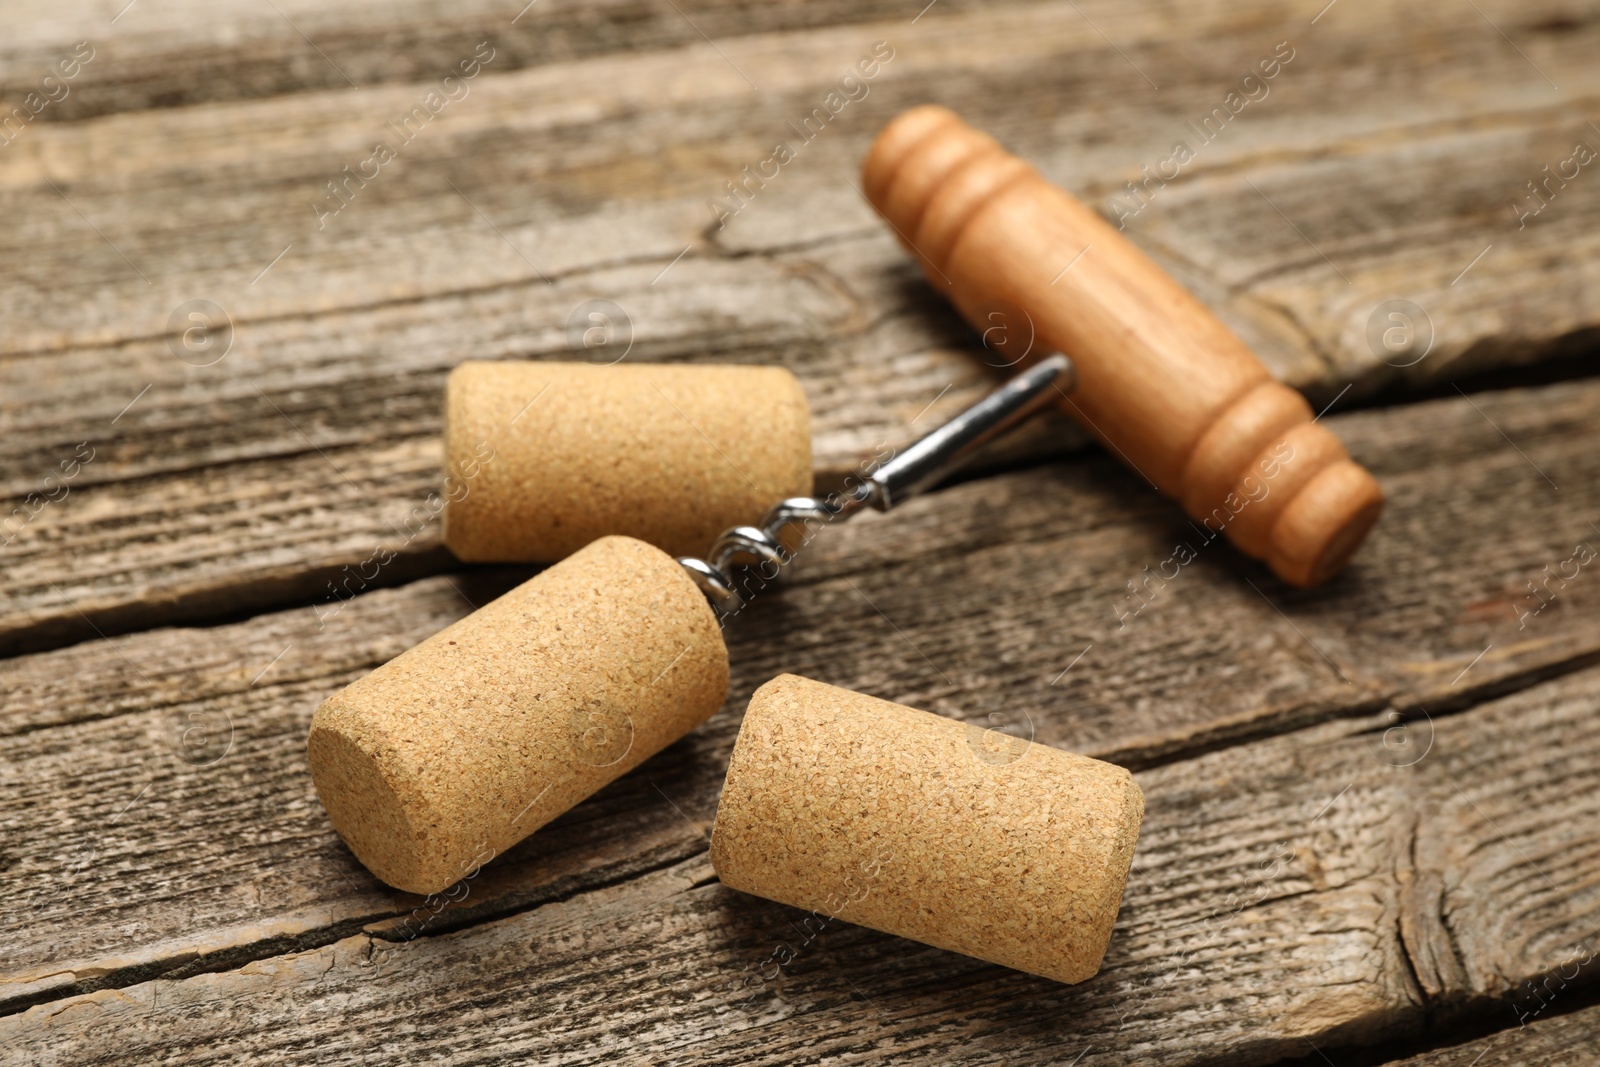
(788, 525)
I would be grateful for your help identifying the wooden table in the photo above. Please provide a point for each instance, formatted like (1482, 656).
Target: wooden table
(1374, 808)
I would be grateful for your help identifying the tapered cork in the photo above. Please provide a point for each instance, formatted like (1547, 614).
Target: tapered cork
(457, 749)
(542, 458)
(921, 826)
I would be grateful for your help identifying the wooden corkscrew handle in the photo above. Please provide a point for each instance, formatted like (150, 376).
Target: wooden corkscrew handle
(1161, 380)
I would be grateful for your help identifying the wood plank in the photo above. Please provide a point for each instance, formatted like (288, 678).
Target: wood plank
(186, 53)
(594, 172)
(591, 120)
(1543, 1042)
(1299, 891)
(210, 726)
(973, 601)
(250, 484)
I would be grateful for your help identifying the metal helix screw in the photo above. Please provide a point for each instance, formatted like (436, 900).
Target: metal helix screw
(787, 526)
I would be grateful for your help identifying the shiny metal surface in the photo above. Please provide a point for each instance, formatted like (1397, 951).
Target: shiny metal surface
(747, 558)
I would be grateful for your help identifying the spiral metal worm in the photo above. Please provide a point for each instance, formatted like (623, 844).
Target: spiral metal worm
(790, 523)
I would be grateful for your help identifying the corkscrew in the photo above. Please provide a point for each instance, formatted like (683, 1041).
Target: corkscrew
(790, 523)
(463, 745)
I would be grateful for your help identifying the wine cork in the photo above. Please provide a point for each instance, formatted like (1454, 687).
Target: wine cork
(462, 746)
(921, 826)
(542, 458)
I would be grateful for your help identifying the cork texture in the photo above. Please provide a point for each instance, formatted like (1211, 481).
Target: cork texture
(457, 749)
(542, 458)
(921, 826)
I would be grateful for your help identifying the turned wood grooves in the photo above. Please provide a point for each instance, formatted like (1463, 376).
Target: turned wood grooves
(1160, 379)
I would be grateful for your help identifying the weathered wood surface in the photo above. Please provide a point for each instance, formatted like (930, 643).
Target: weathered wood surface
(1313, 889)
(176, 892)
(178, 54)
(1472, 522)
(1384, 160)
(1543, 1042)
(160, 820)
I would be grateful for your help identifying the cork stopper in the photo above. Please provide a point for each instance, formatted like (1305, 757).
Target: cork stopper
(543, 458)
(921, 826)
(455, 750)
(1161, 380)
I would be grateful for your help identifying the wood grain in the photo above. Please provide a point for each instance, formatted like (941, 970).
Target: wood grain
(1309, 889)
(188, 53)
(975, 602)
(594, 171)
(1544, 1042)
(175, 890)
